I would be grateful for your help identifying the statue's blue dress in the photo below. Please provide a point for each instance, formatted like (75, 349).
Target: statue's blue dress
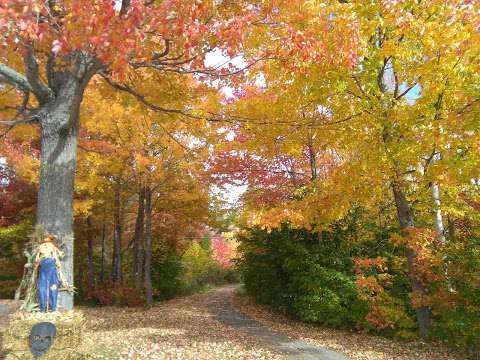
(48, 284)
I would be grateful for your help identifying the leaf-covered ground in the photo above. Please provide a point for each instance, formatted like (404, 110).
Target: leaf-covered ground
(186, 328)
(357, 346)
(178, 329)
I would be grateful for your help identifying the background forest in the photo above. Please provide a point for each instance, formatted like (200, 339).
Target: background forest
(349, 130)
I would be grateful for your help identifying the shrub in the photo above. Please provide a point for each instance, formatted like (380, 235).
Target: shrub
(8, 288)
(197, 265)
(327, 296)
(12, 243)
(460, 328)
(201, 270)
(280, 268)
(456, 304)
(112, 294)
(166, 272)
(347, 281)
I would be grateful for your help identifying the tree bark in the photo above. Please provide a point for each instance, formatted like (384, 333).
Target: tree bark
(313, 162)
(117, 236)
(438, 212)
(58, 155)
(138, 241)
(320, 238)
(148, 246)
(102, 265)
(451, 229)
(90, 268)
(406, 220)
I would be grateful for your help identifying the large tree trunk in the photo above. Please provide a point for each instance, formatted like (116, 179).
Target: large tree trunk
(148, 246)
(59, 130)
(138, 241)
(406, 220)
(117, 236)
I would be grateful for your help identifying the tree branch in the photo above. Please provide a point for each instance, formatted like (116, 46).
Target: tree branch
(34, 115)
(14, 78)
(380, 81)
(165, 52)
(359, 86)
(406, 91)
(42, 92)
(465, 108)
(175, 67)
(124, 7)
(141, 98)
(12, 123)
(84, 148)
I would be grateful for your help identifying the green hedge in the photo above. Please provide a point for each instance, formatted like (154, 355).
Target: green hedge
(315, 282)
(279, 268)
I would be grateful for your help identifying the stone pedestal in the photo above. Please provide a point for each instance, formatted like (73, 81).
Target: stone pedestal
(66, 346)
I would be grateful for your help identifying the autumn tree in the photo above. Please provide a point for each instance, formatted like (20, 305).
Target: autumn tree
(400, 120)
(143, 172)
(51, 50)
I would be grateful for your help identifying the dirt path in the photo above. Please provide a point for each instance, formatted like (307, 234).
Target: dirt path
(356, 345)
(222, 309)
(183, 328)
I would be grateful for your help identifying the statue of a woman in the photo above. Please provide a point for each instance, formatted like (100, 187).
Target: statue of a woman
(50, 275)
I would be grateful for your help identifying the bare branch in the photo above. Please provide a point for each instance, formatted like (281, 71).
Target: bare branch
(406, 91)
(161, 65)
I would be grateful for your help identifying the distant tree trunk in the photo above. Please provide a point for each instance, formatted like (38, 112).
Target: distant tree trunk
(102, 265)
(313, 176)
(313, 162)
(406, 220)
(138, 241)
(90, 268)
(451, 228)
(117, 236)
(148, 246)
(438, 212)
(320, 238)
(388, 83)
